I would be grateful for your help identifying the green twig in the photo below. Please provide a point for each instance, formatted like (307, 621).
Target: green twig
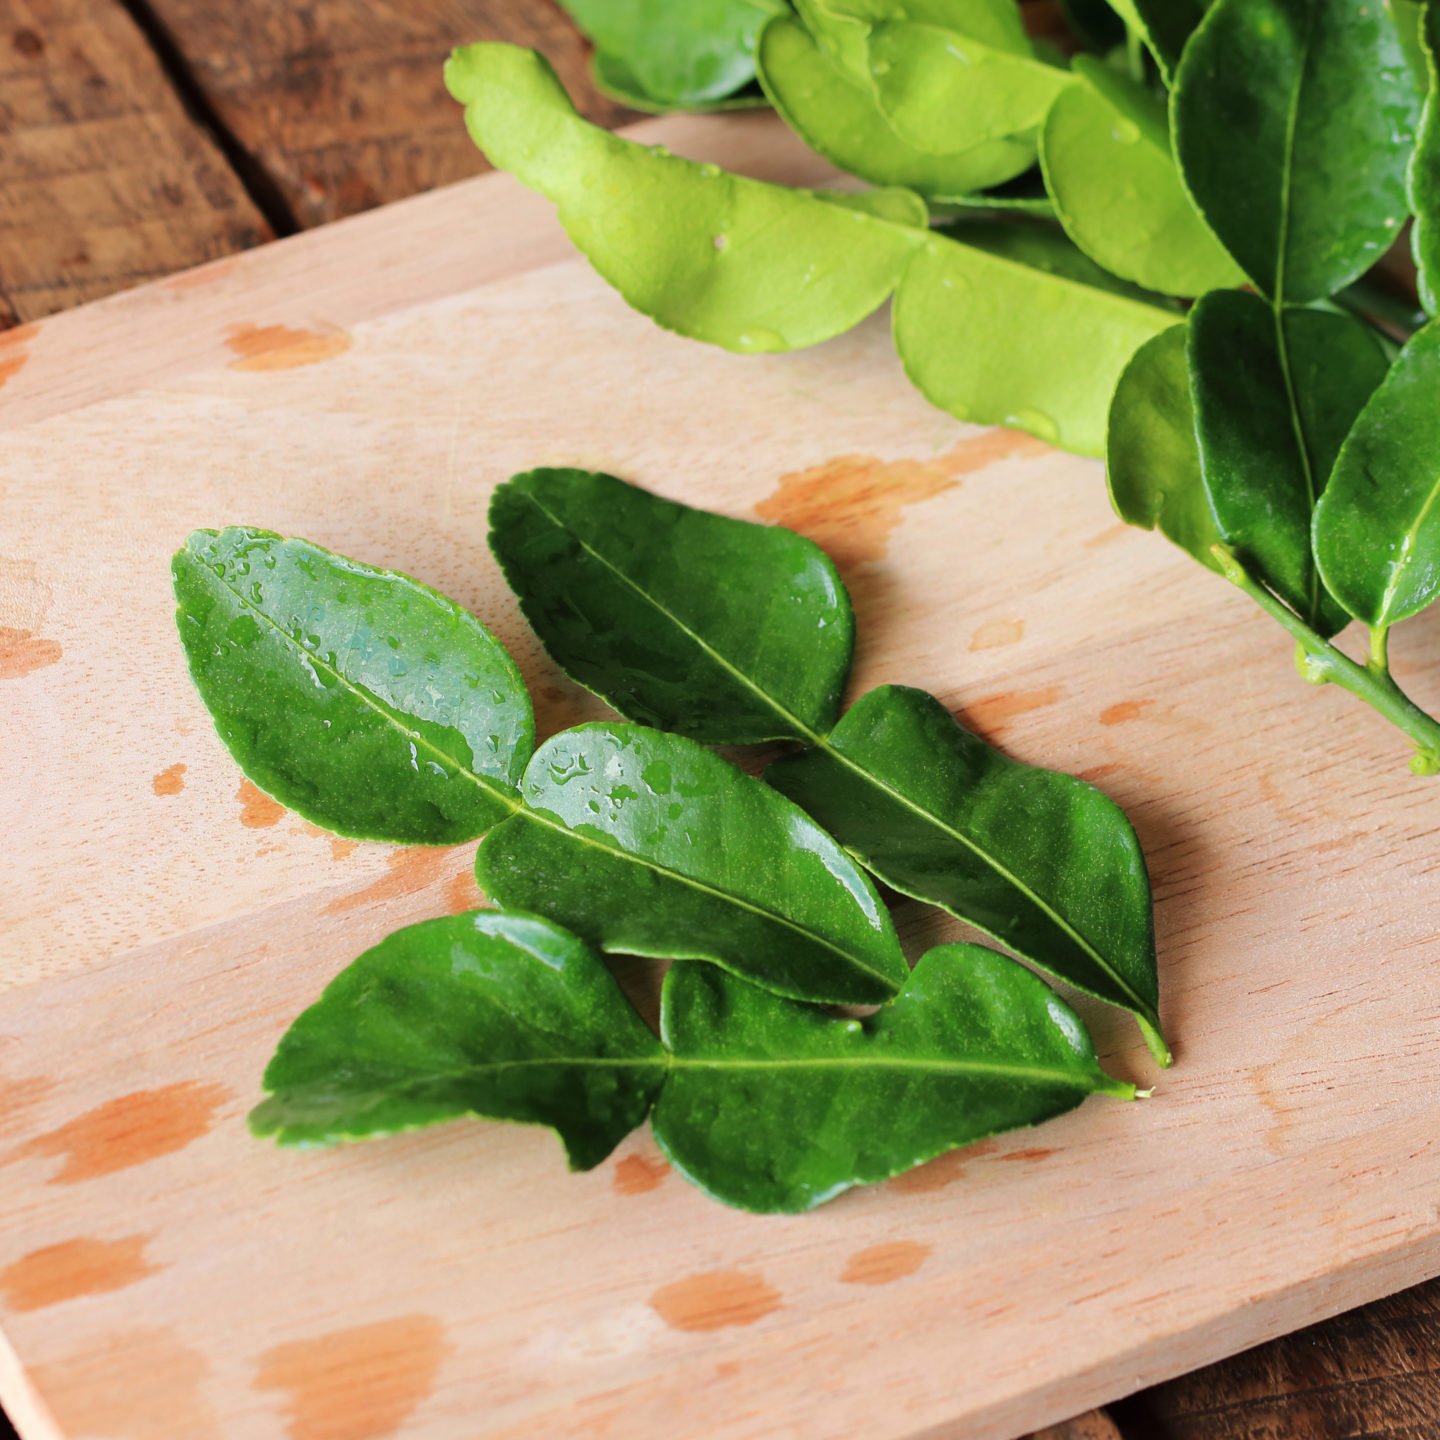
(1323, 662)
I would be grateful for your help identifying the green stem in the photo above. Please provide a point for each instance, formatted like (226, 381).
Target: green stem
(1135, 54)
(1371, 683)
(1156, 1041)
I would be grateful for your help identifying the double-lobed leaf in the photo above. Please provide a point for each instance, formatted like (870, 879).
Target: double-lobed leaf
(1275, 396)
(1293, 121)
(1040, 861)
(763, 1103)
(605, 575)
(357, 697)
(1105, 149)
(1377, 528)
(645, 843)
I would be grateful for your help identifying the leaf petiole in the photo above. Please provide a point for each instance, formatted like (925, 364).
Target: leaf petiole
(1323, 661)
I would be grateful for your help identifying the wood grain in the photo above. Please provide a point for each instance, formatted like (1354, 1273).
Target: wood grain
(1285, 1170)
(105, 181)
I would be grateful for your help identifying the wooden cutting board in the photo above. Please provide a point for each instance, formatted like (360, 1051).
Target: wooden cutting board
(163, 1275)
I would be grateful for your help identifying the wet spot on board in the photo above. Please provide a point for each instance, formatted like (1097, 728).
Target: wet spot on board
(278, 347)
(715, 1300)
(850, 505)
(341, 848)
(22, 652)
(994, 634)
(19, 1099)
(1125, 710)
(170, 781)
(1035, 1152)
(73, 1268)
(990, 714)
(361, 1383)
(1099, 772)
(936, 1174)
(129, 1131)
(882, 1264)
(15, 350)
(639, 1174)
(463, 894)
(202, 275)
(407, 871)
(257, 810)
(142, 1384)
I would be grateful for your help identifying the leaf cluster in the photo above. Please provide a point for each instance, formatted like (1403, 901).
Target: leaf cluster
(377, 708)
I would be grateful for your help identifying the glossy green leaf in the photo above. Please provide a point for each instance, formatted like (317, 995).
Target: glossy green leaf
(1273, 402)
(997, 342)
(1377, 527)
(677, 55)
(945, 92)
(649, 844)
(1293, 125)
(1105, 148)
(613, 78)
(719, 629)
(837, 115)
(736, 262)
(357, 697)
(773, 1106)
(1153, 459)
(502, 1016)
(1164, 25)
(1424, 177)
(1044, 863)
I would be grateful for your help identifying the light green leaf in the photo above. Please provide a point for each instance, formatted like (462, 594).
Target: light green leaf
(1274, 399)
(1153, 457)
(614, 79)
(359, 698)
(837, 115)
(772, 1106)
(503, 1016)
(944, 92)
(678, 56)
(649, 844)
(1424, 176)
(1377, 527)
(1105, 149)
(1293, 126)
(1164, 25)
(1041, 861)
(736, 262)
(725, 631)
(997, 342)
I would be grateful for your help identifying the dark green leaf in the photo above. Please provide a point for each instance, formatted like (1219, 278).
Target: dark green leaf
(1105, 147)
(1164, 25)
(1425, 171)
(1041, 861)
(1273, 402)
(725, 631)
(503, 1016)
(649, 844)
(773, 1106)
(736, 262)
(1377, 528)
(835, 113)
(677, 55)
(357, 697)
(1153, 457)
(1293, 125)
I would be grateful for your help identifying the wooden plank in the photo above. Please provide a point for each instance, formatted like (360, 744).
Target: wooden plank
(341, 101)
(105, 181)
(1283, 1172)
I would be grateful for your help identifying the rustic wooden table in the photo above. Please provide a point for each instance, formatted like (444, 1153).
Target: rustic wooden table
(140, 137)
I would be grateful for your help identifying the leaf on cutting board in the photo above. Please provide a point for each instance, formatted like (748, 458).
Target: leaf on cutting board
(1424, 175)
(1105, 149)
(499, 1015)
(676, 56)
(1293, 121)
(1377, 527)
(359, 698)
(836, 114)
(645, 843)
(723, 630)
(1040, 861)
(739, 263)
(1273, 402)
(1153, 458)
(772, 1106)
(1164, 25)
